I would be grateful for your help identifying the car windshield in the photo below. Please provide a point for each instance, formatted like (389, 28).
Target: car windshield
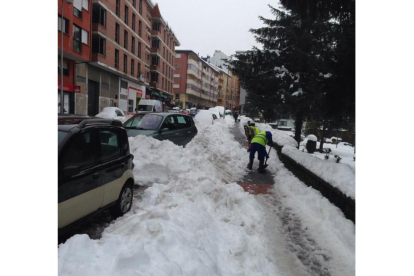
(134, 121)
(145, 107)
(61, 136)
(149, 122)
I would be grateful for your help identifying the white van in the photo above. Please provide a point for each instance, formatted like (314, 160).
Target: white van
(150, 105)
(221, 110)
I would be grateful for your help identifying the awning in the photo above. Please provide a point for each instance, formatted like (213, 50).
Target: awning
(163, 96)
(155, 93)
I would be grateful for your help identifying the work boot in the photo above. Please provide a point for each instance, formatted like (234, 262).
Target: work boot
(261, 168)
(250, 165)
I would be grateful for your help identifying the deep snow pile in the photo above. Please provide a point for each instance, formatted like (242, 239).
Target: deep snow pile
(338, 175)
(189, 222)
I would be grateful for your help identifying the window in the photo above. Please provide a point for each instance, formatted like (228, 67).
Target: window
(65, 67)
(85, 36)
(177, 96)
(139, 69)
(116, 59)
(117, 33)
(85, 4)
(130, 105)
(81, 153)
(65, 25)
(99, 15)
(77, 36)
(125, 39)
(98, 44)
(133, 22)
(110, 146)
(133, 45)
(140, 7)
(183, 122)
(77, 13)
(177, 65)
(118, 10)
(126, 15)
(283, 123)
(132, 67)
(125, 63)
(134, 3)
(139, 27)
(176, 85)
(124, 84)
(154, 77)
(139, 49)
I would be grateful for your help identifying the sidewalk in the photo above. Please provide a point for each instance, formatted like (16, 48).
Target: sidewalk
(253, 182)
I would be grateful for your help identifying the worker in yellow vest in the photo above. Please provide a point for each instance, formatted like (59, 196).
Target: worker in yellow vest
(258, 144)
(253, 130)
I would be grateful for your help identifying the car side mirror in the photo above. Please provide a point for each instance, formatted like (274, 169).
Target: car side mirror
(71, 170)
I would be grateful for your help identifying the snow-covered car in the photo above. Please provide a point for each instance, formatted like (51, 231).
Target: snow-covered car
(193, 111)
(186, 111)
(94, 170)
(112, 113)
(205, 117)
(221, 109)
(228, 112)
(176, 127)
(215, 111)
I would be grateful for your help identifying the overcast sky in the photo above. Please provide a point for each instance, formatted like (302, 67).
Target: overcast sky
(208, 25)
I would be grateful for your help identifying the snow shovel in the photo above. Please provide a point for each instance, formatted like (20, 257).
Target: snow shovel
(267, 157)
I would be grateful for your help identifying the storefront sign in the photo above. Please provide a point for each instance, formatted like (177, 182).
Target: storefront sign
(70, 88)
(139, 91)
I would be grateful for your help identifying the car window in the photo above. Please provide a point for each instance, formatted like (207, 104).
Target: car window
(134, 121)
(61, 136)
(119, 113)
(150, 122)
(183, 122)
(81, 152)
(110, 145)
(145, 108)
(170, 122)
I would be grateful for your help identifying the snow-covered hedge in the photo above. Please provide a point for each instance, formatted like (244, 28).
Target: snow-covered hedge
(340, 176)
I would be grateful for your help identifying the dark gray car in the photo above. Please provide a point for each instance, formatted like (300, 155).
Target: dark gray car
(178, 128)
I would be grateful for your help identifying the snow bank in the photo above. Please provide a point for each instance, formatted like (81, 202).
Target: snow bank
(189, 222)
(339, 175)
(312, 137)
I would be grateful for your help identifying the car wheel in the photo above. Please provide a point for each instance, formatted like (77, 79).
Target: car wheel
(124, 202)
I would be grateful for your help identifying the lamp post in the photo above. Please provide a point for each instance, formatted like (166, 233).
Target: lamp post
(61, 58)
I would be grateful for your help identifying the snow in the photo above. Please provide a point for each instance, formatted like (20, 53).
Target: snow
(338, 175)
(204, 117)
(109, 113)
(193, 219)
(312, 137)
(297, 93)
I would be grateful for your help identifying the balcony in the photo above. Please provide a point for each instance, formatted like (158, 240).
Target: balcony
(156, 32)
(193, 73)
(154, 68)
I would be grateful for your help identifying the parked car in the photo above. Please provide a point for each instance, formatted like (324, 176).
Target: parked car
(150, 105)
(176, 127)
(193, 111)
(94, 170)
(215, 111)
(186, 111)
(65, 119)
(221, 110)
(205, 117)
(227, 112)
(112, 113)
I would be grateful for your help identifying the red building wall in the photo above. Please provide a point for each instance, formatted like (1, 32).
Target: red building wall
(182, 71)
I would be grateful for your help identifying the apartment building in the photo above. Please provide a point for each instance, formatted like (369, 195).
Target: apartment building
(196, 82)
(115, 53)
(74, 25)
(162, 57)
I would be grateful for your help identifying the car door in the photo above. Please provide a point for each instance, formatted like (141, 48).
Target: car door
(79, 189)
(113, 163)
(188, 129)
(170, 130)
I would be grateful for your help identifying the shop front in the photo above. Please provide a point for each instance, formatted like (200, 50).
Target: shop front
(69, 91)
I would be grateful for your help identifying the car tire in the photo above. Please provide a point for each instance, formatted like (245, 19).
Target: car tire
(124, 202)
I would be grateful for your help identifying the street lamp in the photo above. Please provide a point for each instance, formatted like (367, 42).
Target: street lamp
(61, 58)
